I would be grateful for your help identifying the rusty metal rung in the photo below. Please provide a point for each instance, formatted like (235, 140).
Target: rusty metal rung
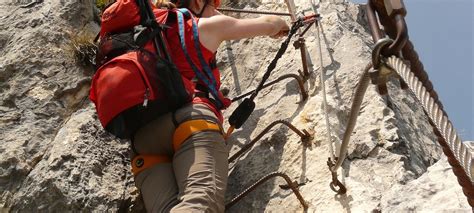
(305, 137)
(293, 187)
(300, 81)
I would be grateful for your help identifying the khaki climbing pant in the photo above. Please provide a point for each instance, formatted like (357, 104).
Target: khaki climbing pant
(193, 177)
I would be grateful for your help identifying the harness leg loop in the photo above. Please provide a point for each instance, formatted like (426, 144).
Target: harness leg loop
(142, 162)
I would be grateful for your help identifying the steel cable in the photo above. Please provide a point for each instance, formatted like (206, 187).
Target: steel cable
(459, 156)
(357, 99)
(418, 70)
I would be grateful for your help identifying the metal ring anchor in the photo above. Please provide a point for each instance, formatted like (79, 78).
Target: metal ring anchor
(335, 183)
(393, 21)
(377, 51)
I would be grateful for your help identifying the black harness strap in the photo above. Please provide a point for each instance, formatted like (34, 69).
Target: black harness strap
(148, 20)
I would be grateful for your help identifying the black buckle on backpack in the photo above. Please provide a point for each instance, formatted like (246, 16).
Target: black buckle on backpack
(203, 92)
(200, 94)
(148, 20)
(141, 35)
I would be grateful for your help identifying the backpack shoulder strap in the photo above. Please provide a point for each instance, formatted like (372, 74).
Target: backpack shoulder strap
(148, 20)
(205, 75)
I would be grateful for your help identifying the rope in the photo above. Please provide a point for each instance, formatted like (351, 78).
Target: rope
(355, 108)
(459, 156)
(243, 111)
(336, 185)
(290, 4)
(323, 87)
(296, 25)
(417, 68)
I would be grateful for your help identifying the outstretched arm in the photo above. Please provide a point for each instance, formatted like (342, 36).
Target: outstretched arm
(216, 29)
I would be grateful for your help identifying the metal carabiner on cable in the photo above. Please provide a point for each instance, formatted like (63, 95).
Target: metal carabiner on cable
(377, 57)
(381, 72)
(391, 14)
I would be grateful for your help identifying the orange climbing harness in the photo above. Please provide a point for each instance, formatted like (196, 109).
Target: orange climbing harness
(184, 131)
(191, 127)
(142, 162)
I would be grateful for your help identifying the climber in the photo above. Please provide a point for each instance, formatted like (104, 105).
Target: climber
(181, 157)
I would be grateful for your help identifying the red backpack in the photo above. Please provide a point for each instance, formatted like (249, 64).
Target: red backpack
(136, 80)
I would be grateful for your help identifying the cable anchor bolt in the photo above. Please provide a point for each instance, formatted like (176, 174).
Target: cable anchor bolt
(382, 73)
(335, 184)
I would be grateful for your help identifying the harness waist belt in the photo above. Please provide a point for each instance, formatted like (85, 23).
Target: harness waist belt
(188, 128)
(183, 132)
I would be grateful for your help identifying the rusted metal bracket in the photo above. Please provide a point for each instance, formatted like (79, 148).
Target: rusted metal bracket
(300, 44)
(380, 77)
(304, 135)
(294, 188)
(391, 14)
(309, 22)
(304, 93)
(305, 57)
(293, 184)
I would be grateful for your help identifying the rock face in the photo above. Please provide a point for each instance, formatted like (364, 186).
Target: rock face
(55, 155)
